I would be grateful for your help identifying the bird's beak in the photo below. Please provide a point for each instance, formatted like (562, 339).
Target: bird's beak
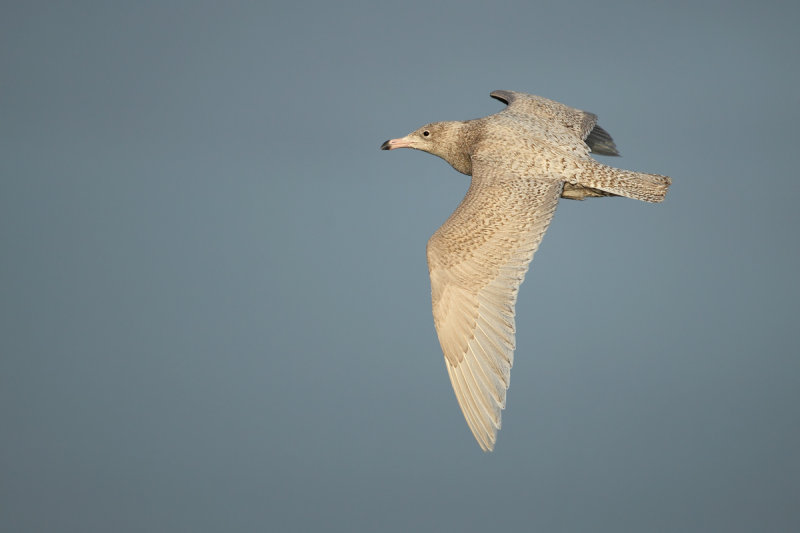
(391, 144)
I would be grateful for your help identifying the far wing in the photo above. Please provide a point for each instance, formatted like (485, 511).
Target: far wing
(560, 118)
(477, 261)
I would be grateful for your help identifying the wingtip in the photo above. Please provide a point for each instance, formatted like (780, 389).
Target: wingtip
(503, 96)
(600, 142)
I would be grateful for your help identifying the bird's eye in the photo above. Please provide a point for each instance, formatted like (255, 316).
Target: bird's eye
(426, 133)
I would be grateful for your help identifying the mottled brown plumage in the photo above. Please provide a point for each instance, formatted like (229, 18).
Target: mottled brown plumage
(522, 160)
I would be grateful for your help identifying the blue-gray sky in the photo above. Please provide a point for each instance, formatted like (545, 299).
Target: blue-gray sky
(214, 302)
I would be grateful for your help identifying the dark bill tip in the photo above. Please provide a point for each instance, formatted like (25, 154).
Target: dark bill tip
(385, 146)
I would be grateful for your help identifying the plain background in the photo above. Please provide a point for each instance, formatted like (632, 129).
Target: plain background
(214, 301)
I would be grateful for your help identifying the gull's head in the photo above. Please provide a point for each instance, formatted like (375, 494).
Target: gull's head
(442, 139)
(427, 138)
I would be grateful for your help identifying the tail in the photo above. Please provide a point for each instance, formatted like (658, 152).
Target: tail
(636, 185)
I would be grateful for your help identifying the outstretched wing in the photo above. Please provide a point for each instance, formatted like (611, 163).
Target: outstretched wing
(560, 120)
(477, 261)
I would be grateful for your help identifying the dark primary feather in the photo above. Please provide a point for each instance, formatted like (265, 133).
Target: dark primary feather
(601, 142)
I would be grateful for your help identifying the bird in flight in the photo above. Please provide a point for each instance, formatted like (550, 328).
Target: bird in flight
(522, 160)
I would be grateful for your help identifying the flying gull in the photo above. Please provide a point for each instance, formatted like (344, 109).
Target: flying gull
(522, 160)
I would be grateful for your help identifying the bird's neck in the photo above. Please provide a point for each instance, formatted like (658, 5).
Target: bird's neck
(458, 152)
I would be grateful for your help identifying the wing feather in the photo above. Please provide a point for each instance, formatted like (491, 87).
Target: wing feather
(549, 111)
(565, 125)
(477, 261)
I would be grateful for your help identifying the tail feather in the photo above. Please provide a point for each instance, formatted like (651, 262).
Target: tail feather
(636, 185)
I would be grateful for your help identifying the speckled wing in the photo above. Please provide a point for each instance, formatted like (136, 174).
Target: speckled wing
(477, 261)
(564, 125)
